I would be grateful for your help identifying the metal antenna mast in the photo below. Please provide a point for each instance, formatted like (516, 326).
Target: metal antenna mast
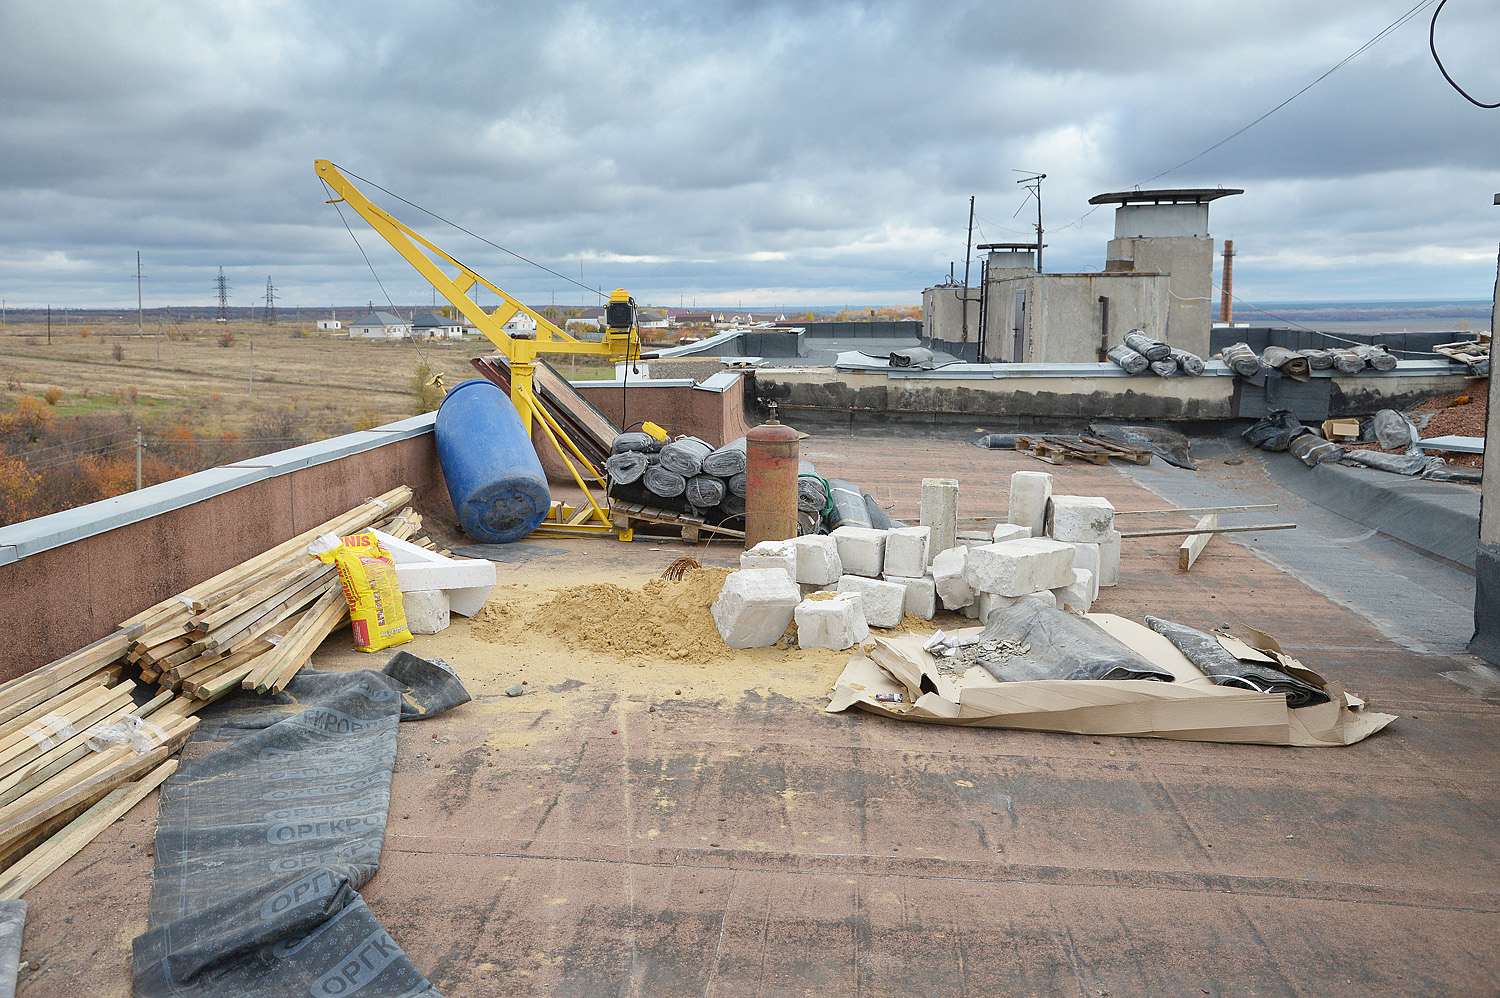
(223, 286)
(1033, 182)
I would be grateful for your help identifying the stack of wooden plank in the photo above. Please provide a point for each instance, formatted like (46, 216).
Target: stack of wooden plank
(1056, 448)
(258, 623)
(76, 748)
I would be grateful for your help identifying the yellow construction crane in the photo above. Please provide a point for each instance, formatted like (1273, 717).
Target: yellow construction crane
(621, 341)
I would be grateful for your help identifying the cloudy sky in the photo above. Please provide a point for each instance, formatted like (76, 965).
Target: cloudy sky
(731, 152)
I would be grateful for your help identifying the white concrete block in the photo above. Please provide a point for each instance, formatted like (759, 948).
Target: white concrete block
(921, 594)
(971, 611)
(906, 551)
(1109, 560)
(940, 512)
(772, 554)
(755, 606)
(990, 602)
(884, 603)
(467, 581)
(948, 577)
(426, 610)
(1016, 568)
(1029, 492)
(1080, 518)
(1086, 557)
(1009, 532)
(833, 620)
(1078, 594)
(970, 538)
(861, 550)
(817, 560)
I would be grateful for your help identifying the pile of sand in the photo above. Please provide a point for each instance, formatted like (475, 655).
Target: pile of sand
(665, 620)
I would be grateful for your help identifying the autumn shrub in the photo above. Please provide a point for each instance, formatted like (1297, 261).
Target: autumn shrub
(53, 395)
(226, 339)
(426, 396)
(119, 352)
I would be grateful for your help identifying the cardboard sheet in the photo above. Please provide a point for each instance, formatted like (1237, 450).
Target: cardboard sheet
(1191, 709)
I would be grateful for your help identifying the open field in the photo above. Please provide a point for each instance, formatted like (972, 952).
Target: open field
(330, 384)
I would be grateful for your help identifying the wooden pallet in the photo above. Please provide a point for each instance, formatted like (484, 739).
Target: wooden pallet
(1057, 448)
(692, 526)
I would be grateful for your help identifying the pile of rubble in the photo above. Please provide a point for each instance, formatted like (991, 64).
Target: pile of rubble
(837, 586)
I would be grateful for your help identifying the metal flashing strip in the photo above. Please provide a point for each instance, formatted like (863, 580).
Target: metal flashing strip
(721, 382)
(637, 383)
(29, 537)
(710, 345)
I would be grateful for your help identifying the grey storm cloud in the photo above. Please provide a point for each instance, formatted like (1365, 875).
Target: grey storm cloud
(771, 153)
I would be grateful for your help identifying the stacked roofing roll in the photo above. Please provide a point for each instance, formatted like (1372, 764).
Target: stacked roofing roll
(644, 443)
(1293, 365)
(1376, 356)
(685, 455)
(1188, 363)
(1318, 360)
(705, 491)
(1242, 360)
(626, 467)
(1130, 361)
(1146, 346)
(1347, 361)
(664, 482)
(727, 461)
(1164, 368)
(738, 484)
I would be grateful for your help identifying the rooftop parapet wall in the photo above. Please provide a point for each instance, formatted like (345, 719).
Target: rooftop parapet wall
(70, 578)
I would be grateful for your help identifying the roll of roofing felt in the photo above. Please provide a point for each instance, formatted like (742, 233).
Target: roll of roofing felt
(727, 461)
(1286, 361)
(738, 484)
(685, 455)
(1242, 360)
(705, 490)
(1376, 356)
(1224, 669)
(1146, 346)
(660, 481)
(1164, 368)
(1130, 361)
(1188, 363)
(626, 467)
(812, 494)
(643, 442)
(848, 505)
(1348, 362)
(1318, 360)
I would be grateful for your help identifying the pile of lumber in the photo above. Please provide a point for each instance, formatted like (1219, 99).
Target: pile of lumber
(78, 748)
(258, 623)
(1056, 448)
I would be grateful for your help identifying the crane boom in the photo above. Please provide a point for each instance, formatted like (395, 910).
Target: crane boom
(621, 340)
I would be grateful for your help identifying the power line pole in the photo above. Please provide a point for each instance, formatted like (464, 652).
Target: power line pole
(140, 321)
(140, 445)
(968, 252)
(49, 325)
(269, 315)
(223, 286)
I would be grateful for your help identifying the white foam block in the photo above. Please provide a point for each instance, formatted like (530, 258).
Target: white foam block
(1029, 492)
(835, 621)
(990, 602)
(1109, 560)
(1016, 568)
(1086, 557)
(1088, 519)
(467, 581)
(1009, 532)
(426, 610)
(906, 551)
(884, 603)
(1079, 593)
(772, 554)
(755, 606)
(948, 577)
(817, 560)
(921, 594)
(861, 550)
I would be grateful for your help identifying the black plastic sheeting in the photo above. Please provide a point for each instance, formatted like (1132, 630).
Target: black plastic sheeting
(1223, 669)
(12, 923)
(1056, 644)
(262, 845)
(1276, 431)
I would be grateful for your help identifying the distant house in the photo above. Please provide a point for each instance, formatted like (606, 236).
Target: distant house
(330, 324)
(379, 326)
(436, 327)
(650, 318)
(521, 325)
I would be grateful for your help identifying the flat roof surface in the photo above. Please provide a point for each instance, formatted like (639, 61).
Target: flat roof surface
(606, 835)
(1176, 195)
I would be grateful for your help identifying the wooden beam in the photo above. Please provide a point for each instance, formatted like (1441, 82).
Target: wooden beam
(1199, 510)
(1196, 542)
(1179, 531)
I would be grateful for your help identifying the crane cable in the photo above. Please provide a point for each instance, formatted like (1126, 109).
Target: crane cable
(1432, 45)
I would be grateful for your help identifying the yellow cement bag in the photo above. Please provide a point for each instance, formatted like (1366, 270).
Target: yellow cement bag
(368, 574)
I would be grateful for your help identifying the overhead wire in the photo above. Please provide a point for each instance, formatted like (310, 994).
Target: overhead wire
(1432, 46)
(1242, 130)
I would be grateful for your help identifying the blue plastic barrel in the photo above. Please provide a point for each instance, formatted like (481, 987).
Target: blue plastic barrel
(495, 480)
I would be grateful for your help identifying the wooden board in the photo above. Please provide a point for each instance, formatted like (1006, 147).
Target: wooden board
(691, 525)
(587, 426)
(1193, 546)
